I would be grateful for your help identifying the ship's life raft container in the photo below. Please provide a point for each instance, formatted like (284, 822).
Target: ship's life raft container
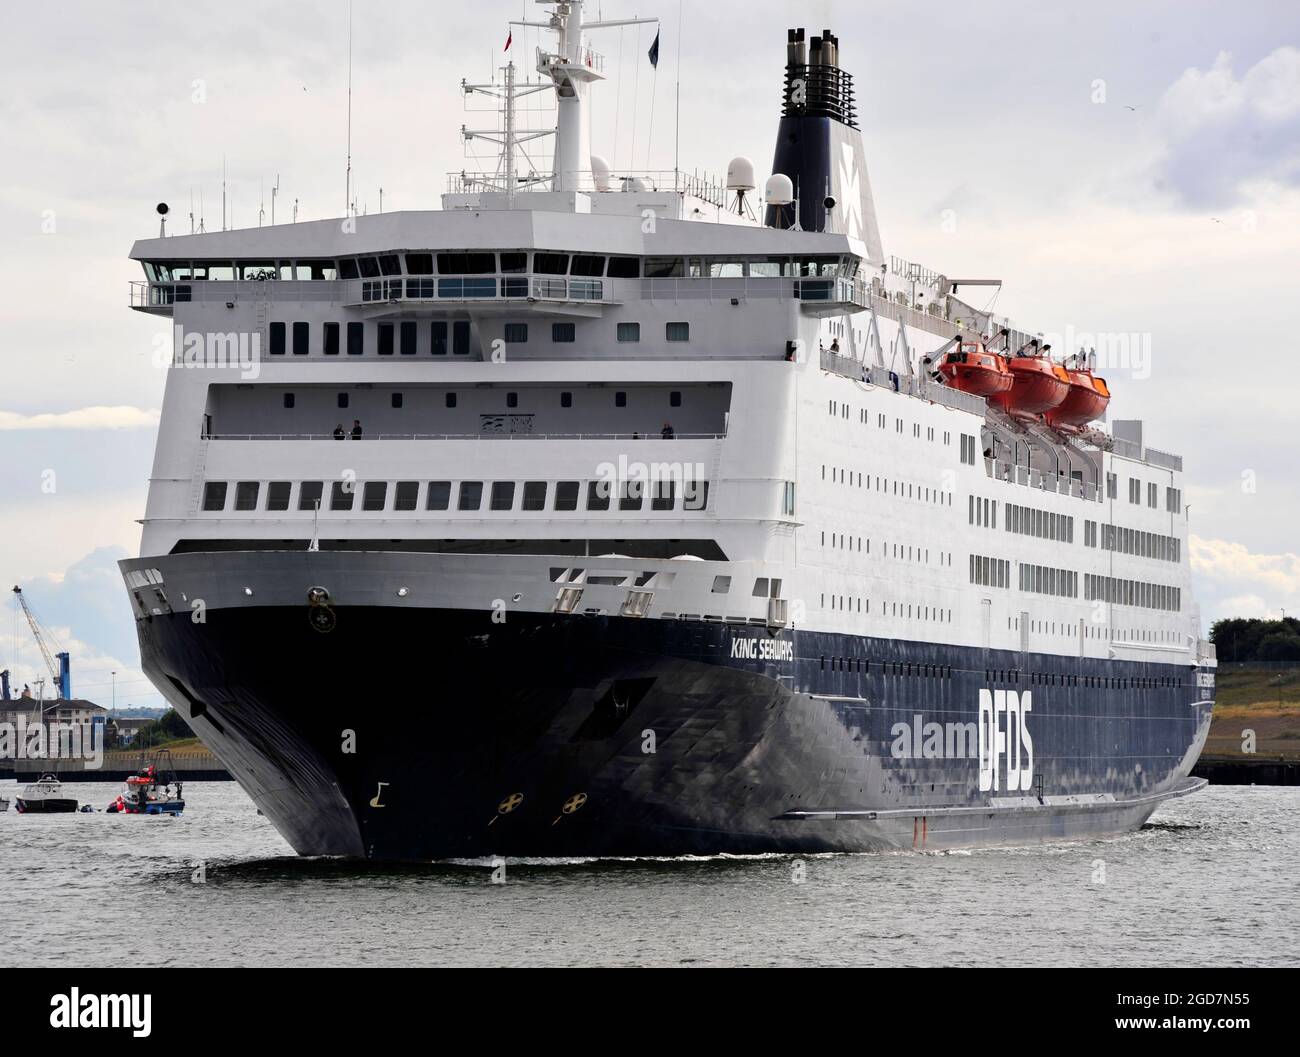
(973, 369)
(1038, 385)
(1086, 400)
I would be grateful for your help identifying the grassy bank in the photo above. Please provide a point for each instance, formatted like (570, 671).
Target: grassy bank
(1263, 699)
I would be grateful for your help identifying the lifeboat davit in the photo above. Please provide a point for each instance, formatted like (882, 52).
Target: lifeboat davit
(973, 369)
(1086, 400)
(1038, 385)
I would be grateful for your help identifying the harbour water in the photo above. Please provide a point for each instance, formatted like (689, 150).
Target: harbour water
(1211, 880)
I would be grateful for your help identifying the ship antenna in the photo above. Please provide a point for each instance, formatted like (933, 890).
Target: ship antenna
(348, 197)
(677, 115)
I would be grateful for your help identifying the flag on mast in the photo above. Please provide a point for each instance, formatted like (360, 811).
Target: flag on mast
(510, 37)
(654, 51)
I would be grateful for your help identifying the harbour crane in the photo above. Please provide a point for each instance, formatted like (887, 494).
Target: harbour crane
(57, 663)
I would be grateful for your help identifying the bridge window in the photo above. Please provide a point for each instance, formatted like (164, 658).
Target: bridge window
(631, 495)
(664, 268)
(419, 264)
(586, 264)
(663, 495)
(566, 495)
(405, 495)
(624, 268)
(551, 263)
(342, 495)
(534, 495)
(471, 495)
(277, 495)
(374, 495)
(514, 262)
(598, 493)
(467, 263)
(214, 495)
(309, 494)
(439, 495)
(503, 495)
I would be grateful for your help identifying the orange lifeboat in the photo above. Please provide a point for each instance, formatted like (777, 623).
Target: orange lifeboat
(1086, 400)
(973, 369)
(1038, 385)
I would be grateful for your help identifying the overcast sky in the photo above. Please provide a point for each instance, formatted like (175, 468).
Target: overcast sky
(1123, 167)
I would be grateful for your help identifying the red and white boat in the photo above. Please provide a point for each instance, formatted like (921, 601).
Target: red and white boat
(972, 368)
(1038, 384)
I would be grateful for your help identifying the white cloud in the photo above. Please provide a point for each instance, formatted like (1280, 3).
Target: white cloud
(100, 417)
(1232, 581)
(1225, 134)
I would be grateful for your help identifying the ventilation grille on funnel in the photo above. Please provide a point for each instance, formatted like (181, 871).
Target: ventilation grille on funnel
(815, 86)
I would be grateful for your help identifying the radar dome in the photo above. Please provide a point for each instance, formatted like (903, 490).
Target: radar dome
(779, 190)
(600, 172)
(740, 175)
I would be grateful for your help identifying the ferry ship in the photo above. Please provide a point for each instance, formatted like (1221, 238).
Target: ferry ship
(664, 519)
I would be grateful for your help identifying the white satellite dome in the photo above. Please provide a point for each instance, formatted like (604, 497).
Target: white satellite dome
(600, 172)
(635, 184)
(740, 175)
(779, 190)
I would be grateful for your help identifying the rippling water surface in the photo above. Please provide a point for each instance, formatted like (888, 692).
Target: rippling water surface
(1213, 879)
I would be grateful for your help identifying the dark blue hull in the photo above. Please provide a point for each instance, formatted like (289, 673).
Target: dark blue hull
(583, 736)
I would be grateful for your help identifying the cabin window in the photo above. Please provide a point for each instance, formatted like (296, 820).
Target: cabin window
(288, 401)
(374, 495)
(620, 399)
(551, 263)
(664, 268)
(405, 495)
(438, 338)
(343, 401)
(408, 332)
(624, 268)
(277, 339)
(503, 495)
(460, 338)
(356, 339)
(674, 399)
(563, 332)
(586, 264)
(277, 495)
(301, 338)
(397, 400)
(385, 339)
(677, 331)
(331, 339)
(566, 495)
(309, 494)
(342, 495)
(534, 495)
(467, 263)
(629, 332)
(566, 399)
(512, 399)
(631, 495)
(439, 495)
(598, 493)
(471, 495)
(419, 264)
(695, 495)
(214, 495)
(451, 400)
(663, 495)
(516, 333)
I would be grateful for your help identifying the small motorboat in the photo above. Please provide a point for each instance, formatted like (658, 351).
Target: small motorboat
(1085, 401)
(44, 797)
(972, 368)
(150, 792)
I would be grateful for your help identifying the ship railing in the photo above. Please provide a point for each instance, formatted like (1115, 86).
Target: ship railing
(473, 288)
(1164, 458)
(485, 435)
(701, 185)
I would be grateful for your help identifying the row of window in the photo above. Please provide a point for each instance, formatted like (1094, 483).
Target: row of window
(480, 262)
(854, 604)
(1029, 521)
(990, 572)
(1173, 496)
(1046, 581)
(468, 495)
(397, 400)
(902, 489)
(404, 338)
(1143, 544)
(1132, 593)
(1107, 682)
(969, 449)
